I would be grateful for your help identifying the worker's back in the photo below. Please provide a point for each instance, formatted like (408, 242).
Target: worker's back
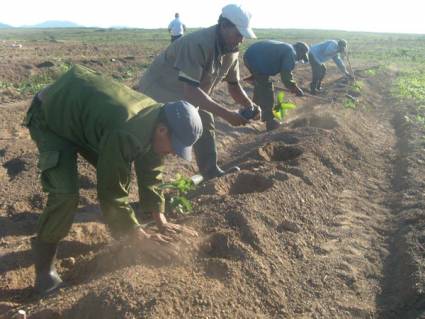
(82, 106)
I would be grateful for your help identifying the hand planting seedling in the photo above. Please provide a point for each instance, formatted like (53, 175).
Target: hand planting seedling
(181, 185)
(282, 107)
(249, 112)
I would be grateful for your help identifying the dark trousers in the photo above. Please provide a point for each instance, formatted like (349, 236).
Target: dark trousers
(263, 93)
(318, 70)
(205, 148)
(59, 176)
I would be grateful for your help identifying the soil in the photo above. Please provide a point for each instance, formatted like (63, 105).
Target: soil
(324, 220)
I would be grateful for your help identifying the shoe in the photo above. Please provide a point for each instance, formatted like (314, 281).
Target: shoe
(47, 279)
(272, 125)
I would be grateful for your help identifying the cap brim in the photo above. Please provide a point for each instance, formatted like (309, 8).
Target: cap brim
(247, 33)
(181, 150)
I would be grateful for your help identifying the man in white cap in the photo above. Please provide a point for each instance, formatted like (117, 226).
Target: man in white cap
(189, 69)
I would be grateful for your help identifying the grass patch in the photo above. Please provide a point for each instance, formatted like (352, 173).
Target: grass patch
(5, 85)
(35, 83)
(411, 86)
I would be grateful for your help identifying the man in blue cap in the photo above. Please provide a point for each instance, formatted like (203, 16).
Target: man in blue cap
(111, 126)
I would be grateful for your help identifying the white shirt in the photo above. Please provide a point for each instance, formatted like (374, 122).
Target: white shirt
(176, 27)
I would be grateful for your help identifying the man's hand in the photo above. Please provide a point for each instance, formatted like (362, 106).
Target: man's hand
(175, 229)
(252, 112)
(235, 119)
(158, 246)
(170, 229)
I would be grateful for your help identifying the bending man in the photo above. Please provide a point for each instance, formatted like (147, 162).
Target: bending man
(268, 58)
(322, 52)
(190, 68)
(111, 126)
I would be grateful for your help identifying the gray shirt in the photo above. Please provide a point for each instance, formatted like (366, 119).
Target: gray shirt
(196, 59)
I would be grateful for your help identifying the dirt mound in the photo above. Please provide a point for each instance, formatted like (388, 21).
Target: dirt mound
(327, 122)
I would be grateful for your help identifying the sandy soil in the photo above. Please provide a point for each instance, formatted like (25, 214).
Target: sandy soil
(324, 220)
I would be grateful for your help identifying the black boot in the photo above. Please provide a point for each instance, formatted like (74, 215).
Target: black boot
(209, 169)
(47, 279)
(313, 88)
(206, 150)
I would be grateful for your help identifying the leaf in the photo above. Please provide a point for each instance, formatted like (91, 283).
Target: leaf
(181, 185)
(288, 106)
(280, 109)
(280, 97)
(181, 204)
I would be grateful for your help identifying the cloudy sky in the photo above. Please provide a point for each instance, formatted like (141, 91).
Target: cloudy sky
(353, 15)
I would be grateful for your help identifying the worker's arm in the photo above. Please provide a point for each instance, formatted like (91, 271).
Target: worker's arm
(289, 82)
(340, 64)
(196, 96)
(117, 151)
(191, 61)
(149, 169)
(238, 94)
(113, 181)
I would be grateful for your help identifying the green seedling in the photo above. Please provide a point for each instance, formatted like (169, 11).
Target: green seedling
(4, 85)
(181, 186)
(282, 107)
(357, 86)
(371, 72)
(349, 104)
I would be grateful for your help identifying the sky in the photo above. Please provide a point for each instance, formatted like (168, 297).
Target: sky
(404, 16)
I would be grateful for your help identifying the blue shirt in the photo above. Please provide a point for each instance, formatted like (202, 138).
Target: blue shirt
(270, 57)
(327, 50)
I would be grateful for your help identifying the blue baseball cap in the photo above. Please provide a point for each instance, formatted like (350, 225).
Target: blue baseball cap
(185, 125)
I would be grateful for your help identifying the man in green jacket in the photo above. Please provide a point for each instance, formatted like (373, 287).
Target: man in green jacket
(191, 68)
(111, 126)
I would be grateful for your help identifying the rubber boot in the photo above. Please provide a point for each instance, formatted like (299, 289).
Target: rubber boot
(319, 86)
(313, 88)
(47, 279)
(207, 163)
(206, 150)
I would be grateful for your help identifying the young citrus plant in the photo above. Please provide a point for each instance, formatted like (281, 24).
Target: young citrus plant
(180, 186)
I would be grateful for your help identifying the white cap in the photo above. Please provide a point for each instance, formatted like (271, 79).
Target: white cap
(240, 17)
